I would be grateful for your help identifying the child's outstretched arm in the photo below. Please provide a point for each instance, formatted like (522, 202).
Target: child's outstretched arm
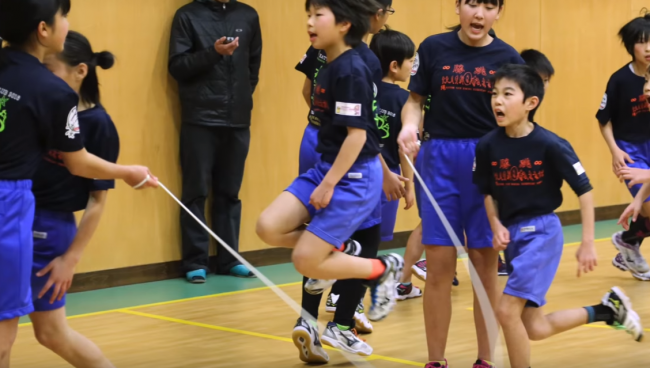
(350, 149)
(586, 255)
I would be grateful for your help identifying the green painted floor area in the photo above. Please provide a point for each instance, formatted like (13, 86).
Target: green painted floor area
(162, 291)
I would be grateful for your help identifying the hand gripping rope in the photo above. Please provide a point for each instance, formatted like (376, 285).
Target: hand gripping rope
(488, 313)
(354, 359)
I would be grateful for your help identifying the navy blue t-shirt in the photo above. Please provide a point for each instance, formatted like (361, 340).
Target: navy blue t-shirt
(54, 188)
(458, 78)
(525, 175)
(342, 98)
(314, 60)
(391, 99)
(38, 111)
(625, 105)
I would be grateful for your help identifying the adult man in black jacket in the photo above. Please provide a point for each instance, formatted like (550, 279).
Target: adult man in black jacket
(215, 55)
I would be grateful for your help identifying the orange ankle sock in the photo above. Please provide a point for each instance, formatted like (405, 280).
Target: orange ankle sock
(378, 269)
(342, 248)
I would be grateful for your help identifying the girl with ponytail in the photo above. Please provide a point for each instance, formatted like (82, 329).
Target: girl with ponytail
(58, 243)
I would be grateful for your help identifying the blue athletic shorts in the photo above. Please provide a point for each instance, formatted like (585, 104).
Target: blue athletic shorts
(639, 152)
(389, 213)
(16, 248)
(53, 235)
(355, 198)
(308, 155)
(534, 253)
(446, 167)
(309, 158)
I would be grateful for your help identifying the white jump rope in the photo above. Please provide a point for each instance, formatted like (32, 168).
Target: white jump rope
(354, 359)
(486, 307)
(488, 312)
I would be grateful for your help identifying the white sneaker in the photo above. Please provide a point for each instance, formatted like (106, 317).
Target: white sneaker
(305, 337)
(362, 324)
(345, 340)
(624, 316)
(631, 255)
(383, 290)
(316, 287)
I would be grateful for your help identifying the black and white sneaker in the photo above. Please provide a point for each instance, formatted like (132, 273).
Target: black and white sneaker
(316, 287)
(347, 341)
(332, 299)
(383, 292)
(625, 318)
(305, 337)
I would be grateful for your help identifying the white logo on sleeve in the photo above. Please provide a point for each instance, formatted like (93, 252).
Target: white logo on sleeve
(579, 169)
(348, 109)
(303, 59)
(474, 166)
(374, 89)
(72, 127)
(603, 103)
(416, 64)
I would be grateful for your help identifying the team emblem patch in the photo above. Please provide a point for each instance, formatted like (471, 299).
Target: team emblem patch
(72, 127)
(416, 64)
(603, 103)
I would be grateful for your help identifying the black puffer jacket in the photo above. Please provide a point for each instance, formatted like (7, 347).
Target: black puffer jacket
(215, 90)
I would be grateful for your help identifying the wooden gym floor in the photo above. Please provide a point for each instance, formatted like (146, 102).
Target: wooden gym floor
(251, 326)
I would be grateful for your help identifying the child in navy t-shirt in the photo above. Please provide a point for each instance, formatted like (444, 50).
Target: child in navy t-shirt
(396, 53)
(342, 190)
(455, 69)
(345, 299)
(58, 244)
(38, 111)
(520, 169)
(623, 115)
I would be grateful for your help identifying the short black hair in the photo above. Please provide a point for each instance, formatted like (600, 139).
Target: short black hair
(357, 12)
(20, 18)
(528, 79)
(539, 62)
(78, 50)
(385, 3)
(390, 45)
(635, 31)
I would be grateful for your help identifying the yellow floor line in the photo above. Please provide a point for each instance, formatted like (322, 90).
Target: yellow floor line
(174, 301)
(222, 294)
(255, 334)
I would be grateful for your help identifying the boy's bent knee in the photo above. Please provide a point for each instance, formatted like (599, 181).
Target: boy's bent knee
(303, 262)
(266, 229)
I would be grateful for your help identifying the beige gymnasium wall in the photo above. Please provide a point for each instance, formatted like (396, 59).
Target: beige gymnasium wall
(142, 227)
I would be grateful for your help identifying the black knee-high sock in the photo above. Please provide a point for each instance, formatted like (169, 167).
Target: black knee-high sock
(639, 230)
(351, 291)
(310, 302)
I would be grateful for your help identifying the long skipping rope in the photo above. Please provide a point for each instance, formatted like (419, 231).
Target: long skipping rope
(352, 358)
(488, 312)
